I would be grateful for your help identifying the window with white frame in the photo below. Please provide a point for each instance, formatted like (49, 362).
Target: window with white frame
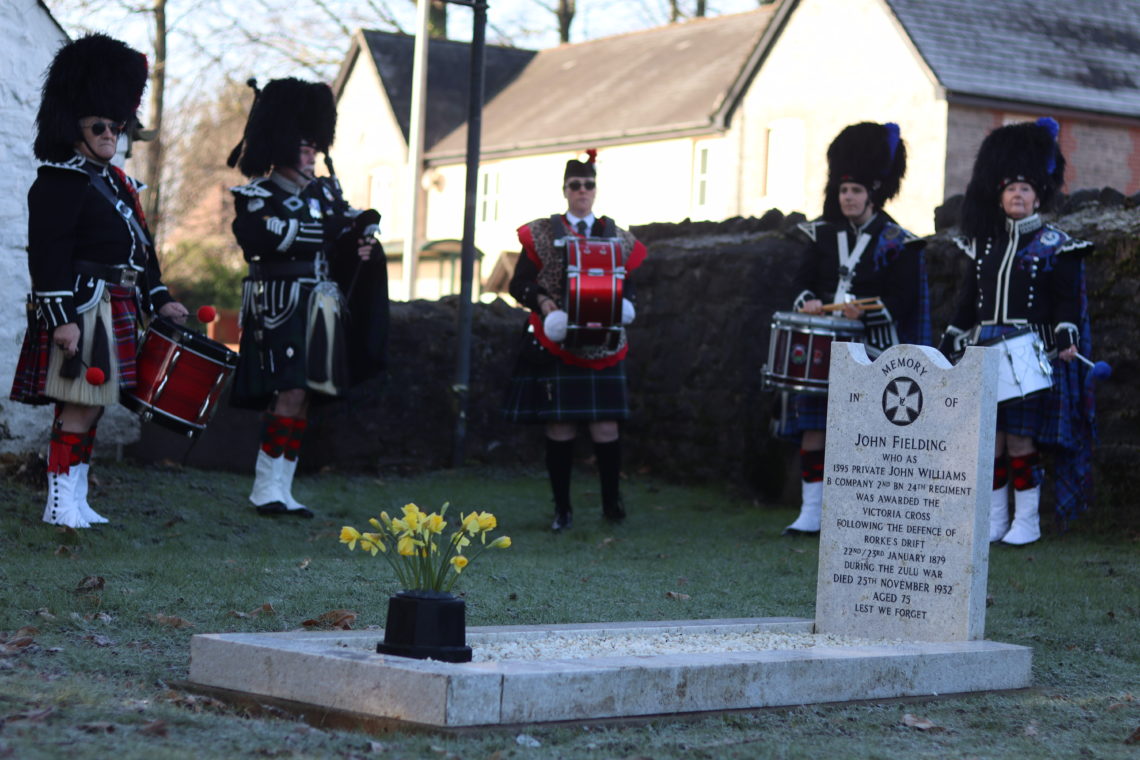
(489, 186)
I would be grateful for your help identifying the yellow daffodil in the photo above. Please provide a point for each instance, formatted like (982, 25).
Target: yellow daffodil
(372, 542)
(406, 546)
(420, 558)
(349, 535)
(470, 523)
(435, 523)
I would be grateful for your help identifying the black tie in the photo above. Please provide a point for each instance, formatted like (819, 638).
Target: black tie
(582, 227)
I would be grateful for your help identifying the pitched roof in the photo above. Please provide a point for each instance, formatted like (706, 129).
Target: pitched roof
(1076, 54)
(449, 66)
(651, 82)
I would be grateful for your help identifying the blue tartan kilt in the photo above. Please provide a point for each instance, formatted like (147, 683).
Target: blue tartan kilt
(553, 391)
(802, 411)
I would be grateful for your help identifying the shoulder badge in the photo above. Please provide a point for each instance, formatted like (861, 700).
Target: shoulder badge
(253, 189)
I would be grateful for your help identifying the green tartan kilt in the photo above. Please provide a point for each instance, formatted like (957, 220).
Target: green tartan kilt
(545, 389)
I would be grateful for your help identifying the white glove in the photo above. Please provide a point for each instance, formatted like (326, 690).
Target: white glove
(555, 325)
(628, 313)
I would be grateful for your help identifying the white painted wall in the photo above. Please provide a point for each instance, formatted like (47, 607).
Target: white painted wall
(839, 62)
(371, 155)
(32, 39)
(637, 184)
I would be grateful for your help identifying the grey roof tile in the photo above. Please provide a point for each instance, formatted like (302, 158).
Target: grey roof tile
(1075, 54)
(656, 80)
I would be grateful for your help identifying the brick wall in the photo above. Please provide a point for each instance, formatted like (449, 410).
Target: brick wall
(1099, 153)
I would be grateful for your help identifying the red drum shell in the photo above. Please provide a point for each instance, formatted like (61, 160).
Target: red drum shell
(181, 377)
(799, 349)
(595, 278)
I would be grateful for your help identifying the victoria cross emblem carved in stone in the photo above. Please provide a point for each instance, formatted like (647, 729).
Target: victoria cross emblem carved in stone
(902, 401)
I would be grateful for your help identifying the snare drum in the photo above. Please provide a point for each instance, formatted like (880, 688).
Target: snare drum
(1025, 367)
(181, 376)
(595, 276)
(799, 350)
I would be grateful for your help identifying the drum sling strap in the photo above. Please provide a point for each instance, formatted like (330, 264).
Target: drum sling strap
(103, 186)
(848, 260)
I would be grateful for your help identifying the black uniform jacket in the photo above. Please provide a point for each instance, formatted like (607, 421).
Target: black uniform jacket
(71, 225)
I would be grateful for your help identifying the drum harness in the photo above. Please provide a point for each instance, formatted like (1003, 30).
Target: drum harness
(881, 331)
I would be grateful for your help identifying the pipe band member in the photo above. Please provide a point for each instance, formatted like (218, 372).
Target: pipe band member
(93, 266)
(1026, 273)
(855, 251)
(313, 259)
(555, 383)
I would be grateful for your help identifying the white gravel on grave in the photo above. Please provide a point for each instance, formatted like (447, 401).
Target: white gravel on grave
(578, 646)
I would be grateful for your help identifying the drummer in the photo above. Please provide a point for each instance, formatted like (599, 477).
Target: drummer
(92, 264)
(312, 260)
(1026, 273)
(859, 264)
(557, 386)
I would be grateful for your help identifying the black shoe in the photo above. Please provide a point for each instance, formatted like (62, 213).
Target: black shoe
(304, 512)
(562, 521)
(272, 509)
(614, 513)
(789, 531)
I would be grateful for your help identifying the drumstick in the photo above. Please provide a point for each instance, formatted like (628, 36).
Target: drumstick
(864, 304)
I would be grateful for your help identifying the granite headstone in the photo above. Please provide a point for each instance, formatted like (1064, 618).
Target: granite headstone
(904, 549)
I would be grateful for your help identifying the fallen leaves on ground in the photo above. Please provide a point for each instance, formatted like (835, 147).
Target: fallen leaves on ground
(99, 641)
(171, 620)
(90, 584)
(18, 641)
(154, 728)
(35, 716)
(342, 619)
(303, 564)
(922, 724)
(677, 595)
(99, 727)
(1134, 738)
(526, 740)
(265, 609)
(194, 702)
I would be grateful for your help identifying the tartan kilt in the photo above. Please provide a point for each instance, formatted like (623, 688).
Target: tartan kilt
(546, 389)
(31, 377)
(800, 412)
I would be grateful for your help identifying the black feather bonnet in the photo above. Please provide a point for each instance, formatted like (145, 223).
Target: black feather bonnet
(95, 75)
(872, 155)
(1024, 152)
(285, 113)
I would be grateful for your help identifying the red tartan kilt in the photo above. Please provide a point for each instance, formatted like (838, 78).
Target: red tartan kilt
(31, 369)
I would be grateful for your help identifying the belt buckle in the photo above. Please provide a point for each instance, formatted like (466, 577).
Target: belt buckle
(129, 278)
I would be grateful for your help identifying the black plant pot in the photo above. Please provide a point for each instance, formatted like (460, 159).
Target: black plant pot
(426, 625)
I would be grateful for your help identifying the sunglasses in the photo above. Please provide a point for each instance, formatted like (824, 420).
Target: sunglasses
(575, 185)
(99, 127)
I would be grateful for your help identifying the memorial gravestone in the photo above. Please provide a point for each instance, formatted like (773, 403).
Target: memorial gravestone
(904, 550)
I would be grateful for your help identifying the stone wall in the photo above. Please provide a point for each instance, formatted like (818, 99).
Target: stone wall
(705, 298)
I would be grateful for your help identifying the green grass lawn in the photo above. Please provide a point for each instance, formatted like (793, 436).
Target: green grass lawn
(189, 555)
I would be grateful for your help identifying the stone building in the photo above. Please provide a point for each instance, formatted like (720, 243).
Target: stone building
(731, 115)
